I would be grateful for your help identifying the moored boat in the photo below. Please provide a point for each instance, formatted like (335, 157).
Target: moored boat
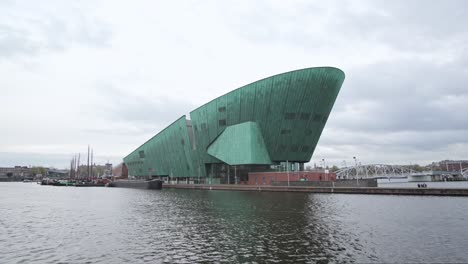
(151, 184)
(64, 183)
(92, 184)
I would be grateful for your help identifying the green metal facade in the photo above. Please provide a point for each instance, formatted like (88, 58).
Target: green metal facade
(241, 144)
(283, 115)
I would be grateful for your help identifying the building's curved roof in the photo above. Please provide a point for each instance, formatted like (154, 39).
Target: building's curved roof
(331, 70)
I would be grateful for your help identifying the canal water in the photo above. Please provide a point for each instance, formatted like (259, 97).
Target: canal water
(47, 224)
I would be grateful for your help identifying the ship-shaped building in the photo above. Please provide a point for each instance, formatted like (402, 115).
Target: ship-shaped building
(269, 125)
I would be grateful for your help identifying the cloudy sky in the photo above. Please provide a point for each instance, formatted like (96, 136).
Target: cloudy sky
(114, 73)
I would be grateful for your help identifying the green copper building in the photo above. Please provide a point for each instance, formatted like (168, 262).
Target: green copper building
(250, 129)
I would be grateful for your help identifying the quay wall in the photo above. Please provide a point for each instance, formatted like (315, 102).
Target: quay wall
(276, 178)
(338, 183)
(308, 189)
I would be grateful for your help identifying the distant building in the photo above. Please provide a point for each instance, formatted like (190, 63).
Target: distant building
(15, 173)
(428, 176)
(56, 173)
(450, 165)
(108, 170)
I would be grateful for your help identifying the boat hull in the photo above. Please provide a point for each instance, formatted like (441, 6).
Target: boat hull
(153, 185)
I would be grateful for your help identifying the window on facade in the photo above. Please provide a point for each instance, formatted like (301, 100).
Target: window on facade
(289, 115)
(317, 117)
(182, 141)
(222, 122)
(195, 127)
(222, 109)
(305, 148)
(285, 131)
(203, 126)
(142, 154)
(305, 116)
(294, 148)
(281, 147)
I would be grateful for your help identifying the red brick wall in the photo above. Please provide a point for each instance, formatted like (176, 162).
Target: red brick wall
(124, 171)
(265, 178)
(120, 171)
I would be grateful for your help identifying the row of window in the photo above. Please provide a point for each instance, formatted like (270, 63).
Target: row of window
(305, 116)
(288, 131)
(131, 163)
(288, 116)
(222, 122)
(294, 148)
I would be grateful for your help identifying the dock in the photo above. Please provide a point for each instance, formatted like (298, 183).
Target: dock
(309, 189)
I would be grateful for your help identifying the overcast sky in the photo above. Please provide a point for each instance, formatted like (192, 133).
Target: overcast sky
(114, 73)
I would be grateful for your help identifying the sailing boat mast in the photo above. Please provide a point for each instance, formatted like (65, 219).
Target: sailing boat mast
(88, 163)
(70, 175)
(92, 171)
(78, 166)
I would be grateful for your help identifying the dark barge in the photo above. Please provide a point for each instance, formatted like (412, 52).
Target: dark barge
(152, 184)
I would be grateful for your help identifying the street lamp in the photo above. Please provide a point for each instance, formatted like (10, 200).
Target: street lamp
(355, 162)
(235, 174)
(347, 171)
(325, 170)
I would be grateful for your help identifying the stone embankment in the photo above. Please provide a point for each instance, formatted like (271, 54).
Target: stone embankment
(308, 189)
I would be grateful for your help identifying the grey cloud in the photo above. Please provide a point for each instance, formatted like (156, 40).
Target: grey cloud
(407, 26)
(403, 95)
(14, 42)
(163, 110)
(435, 19)
(401, 110)
(141, 111)
(32, 159)
(133, 119)
(48, 31)
(269, 24)
(403, 140)
(119, 131)
(61, 161)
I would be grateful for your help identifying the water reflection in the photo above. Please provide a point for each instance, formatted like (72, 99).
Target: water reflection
(245, 226)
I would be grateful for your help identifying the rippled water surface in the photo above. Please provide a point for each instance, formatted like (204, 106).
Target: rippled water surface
(46, 224)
